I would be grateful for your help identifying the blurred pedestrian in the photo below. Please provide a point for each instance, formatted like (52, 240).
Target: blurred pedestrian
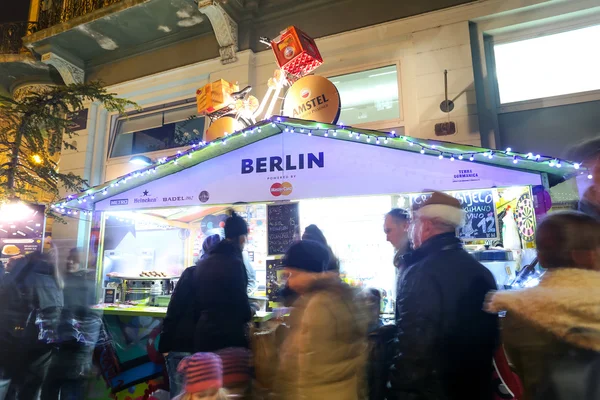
(221, 306)
(324, 353)
(31, 300)
(445, 341)
(559, 317)
(588, 154)
(177, 335)
(78, 333)
(203, 377)
(312, 232)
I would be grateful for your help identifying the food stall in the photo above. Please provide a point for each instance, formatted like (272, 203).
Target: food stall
(282, 175)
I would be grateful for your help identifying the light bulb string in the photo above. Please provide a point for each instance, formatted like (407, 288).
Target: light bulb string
(325, 130)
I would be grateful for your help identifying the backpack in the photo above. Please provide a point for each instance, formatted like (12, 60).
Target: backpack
(18, 312)
(576, 376)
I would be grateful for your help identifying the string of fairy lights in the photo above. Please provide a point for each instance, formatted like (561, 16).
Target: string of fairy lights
(390, 139)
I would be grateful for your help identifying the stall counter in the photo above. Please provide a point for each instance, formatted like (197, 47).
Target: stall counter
(159, 312)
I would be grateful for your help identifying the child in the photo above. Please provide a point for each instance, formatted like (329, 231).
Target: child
(236, 370)
(203, 377)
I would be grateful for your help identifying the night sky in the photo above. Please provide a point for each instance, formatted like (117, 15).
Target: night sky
(14, 10)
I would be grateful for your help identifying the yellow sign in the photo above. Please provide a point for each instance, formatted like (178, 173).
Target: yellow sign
(313, 98)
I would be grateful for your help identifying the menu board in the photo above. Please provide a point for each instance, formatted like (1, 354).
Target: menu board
(283, 227)
(274, 282)
(22, 231)
(481, 221)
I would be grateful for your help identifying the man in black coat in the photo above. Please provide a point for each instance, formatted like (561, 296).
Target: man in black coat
(209, 310)
(445, 341)
(221, 305)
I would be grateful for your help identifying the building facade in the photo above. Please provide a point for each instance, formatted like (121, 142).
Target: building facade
(507, 66)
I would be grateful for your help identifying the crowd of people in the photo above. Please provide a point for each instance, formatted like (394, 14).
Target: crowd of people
(446, 343)
(48, 331)
(446, 336)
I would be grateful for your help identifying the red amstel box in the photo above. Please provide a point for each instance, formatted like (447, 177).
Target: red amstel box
(296, 52)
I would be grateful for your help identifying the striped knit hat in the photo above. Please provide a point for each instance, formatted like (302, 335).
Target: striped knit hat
(203, 371)
(236, 366)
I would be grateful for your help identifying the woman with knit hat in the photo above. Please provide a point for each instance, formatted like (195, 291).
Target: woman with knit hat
(312, 232)
(324, 354)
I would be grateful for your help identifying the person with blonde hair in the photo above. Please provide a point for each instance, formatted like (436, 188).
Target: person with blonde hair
(559, 317)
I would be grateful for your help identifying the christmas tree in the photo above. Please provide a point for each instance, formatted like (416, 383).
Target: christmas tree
(34, 128)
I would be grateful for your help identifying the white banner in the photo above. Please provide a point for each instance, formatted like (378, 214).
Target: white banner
(294, 166)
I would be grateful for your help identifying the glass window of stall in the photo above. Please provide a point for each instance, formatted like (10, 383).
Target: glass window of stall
(255, 252)
(135, 244)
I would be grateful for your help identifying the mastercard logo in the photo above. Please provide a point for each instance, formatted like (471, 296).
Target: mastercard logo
(305, 93)
(281, 189)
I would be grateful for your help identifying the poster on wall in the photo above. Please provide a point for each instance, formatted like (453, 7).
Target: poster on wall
(275, 282)
(22, 231)
(481, 220)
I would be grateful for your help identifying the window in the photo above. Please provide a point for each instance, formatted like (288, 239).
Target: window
(548, 66)
(158, 130)
(368, 96)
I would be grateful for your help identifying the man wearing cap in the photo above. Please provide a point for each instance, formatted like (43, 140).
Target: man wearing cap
(221, 306)
(445, 341)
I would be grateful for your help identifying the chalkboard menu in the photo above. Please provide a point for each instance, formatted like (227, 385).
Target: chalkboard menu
(481, 219)
(283, 227)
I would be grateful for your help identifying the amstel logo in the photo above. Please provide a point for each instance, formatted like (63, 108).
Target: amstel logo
(281, 189)
(305, 93)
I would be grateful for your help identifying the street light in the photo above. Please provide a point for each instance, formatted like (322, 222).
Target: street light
(141, 160)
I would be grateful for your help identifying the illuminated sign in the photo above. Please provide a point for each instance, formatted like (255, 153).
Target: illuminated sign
(313, 98)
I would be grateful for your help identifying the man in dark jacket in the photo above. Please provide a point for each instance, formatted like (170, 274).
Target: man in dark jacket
(26, 349)
(177, 335)
(445, 341)
(221, 306)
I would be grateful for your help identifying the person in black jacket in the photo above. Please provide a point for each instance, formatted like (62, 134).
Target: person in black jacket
(445, 341)
(176, 338)
(221, 305)
(26, 350)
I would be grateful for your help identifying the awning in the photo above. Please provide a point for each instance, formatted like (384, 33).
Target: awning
(289, 163)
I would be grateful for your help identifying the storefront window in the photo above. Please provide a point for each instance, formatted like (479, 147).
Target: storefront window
(548, 66)
(157, 131)
(353, 227)
(369, 96)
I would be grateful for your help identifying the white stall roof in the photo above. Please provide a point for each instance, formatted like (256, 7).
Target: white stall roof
(290, 159)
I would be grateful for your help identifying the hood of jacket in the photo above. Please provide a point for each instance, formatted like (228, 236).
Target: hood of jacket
(209, 243)
(566, 303)
(330, 285)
